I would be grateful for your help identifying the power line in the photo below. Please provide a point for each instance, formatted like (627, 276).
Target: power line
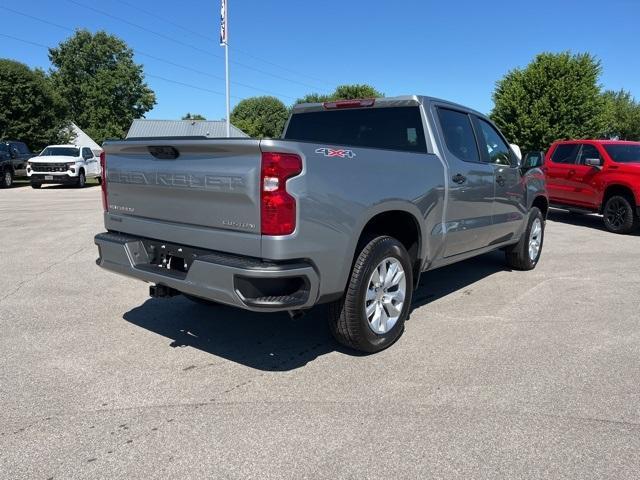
(213, 40)
(159, 77)
(138, 52)
(188, 45)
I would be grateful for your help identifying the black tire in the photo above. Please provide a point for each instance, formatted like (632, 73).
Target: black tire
(517, 255)
(99, 179)
(619, 215)
(201, 301)
(82, 180)
(7, 179)
(35, 185)
(347, 317)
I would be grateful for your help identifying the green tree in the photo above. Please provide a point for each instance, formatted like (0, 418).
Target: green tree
(102, 85)
(260, 117)
(622, 115)
(193, 116)
(350, 92)
(31, 110)
(556, 96)
(314, 98)
(343, 92)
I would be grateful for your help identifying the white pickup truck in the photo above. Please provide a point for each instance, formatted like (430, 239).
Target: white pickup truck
(64, 164)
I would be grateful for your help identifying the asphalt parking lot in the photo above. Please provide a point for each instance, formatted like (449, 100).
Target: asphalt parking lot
(499, 374)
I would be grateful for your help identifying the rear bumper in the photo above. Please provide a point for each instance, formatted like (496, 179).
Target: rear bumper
(243, 282)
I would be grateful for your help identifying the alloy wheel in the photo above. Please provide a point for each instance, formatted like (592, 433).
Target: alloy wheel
(386, 291)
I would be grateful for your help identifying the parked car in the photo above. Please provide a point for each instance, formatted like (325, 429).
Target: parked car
(64, 164)
(13, 161)
(596, 176)
(348, 208)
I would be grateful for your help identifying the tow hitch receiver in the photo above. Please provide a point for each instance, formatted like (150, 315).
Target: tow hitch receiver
(162, 291)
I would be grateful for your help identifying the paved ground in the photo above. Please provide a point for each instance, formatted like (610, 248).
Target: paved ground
(499, 374)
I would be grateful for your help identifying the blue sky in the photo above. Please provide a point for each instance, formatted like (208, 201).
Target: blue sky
(450, 49)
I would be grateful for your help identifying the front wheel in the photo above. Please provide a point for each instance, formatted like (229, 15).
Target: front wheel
(619, 215)
(7, 179)
(82, 180)
(371, 315)
(525, 254)
(99, 179)
(36, 185)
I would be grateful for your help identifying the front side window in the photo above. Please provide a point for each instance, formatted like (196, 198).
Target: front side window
(22, 148)
(86, 153)
(588, 151)
(565, 153)
(624, 153)
(497, 150)
(60, 151)
(458, 134)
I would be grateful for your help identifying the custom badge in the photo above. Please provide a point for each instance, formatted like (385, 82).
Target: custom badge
(331, 152)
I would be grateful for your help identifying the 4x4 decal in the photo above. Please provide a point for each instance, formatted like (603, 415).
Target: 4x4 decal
(331, 152)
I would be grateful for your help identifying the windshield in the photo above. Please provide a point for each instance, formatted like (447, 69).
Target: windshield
(61, 151)
(624, 153)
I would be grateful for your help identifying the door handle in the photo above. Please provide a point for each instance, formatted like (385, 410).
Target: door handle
(500, 180)
(459, 178)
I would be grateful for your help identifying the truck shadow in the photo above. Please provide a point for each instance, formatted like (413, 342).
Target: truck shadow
(589, 220)
(274, 341)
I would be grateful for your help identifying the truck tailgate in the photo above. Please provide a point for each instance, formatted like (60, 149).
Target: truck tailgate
(198, 192)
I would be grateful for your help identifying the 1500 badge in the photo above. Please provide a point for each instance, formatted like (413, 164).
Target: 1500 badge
(332, 152)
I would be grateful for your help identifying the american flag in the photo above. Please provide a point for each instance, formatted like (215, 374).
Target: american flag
(224, 31)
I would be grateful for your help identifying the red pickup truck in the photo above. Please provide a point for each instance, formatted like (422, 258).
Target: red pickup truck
(596, 176)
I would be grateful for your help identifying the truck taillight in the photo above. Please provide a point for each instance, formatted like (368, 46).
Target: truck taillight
(358, 103)
(278, 208)
(103, 174)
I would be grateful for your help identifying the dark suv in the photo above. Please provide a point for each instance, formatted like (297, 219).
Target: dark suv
(13, 161)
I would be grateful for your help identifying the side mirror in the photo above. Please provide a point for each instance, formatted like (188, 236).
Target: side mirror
(516, 149)
(593, 162)
(533, 160)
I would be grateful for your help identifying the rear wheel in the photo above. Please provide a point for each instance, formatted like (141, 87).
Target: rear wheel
(371, 315)
(619, 215)
(525, 254)
(7, 179)
(99, 179)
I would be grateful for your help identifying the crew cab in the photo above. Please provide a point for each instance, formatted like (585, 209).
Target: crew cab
(13, 161)
(64, 164)
(596, 176)
(355, 200)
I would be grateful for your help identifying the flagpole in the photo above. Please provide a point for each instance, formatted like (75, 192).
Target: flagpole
(224, 42)
(226, 69)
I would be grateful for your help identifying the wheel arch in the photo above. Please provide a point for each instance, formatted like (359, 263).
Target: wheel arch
(542, 203)
(400, 221)
(618, 189)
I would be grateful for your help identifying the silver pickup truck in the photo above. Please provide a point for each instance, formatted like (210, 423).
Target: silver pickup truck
(348, 208)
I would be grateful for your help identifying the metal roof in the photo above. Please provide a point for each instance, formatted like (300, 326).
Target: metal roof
(143, 127)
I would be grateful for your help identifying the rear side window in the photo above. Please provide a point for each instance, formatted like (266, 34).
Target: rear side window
(565, 153)
(397, 128)
(458, 134)
(22, 148)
